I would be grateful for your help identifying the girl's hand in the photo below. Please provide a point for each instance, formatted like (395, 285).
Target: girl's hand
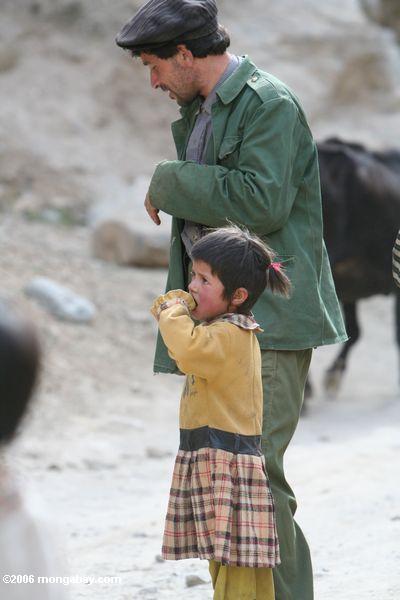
(170, 299)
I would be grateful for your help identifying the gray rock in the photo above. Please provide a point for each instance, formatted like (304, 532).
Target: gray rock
(124, 233)
(124, 245)
(150, 591)
(159, 558)
(54, 467)
(193, 580)
(60, 301)
(97, 465)
(157, 453)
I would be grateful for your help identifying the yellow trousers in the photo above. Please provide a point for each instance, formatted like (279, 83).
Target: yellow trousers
(241, 583)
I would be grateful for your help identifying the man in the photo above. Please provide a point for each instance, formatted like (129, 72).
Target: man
(245, 154)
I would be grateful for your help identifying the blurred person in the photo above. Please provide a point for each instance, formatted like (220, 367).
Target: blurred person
(221, 507)
(245, 154)
(26, 548)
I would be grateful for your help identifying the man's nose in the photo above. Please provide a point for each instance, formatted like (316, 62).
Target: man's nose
(192, 286)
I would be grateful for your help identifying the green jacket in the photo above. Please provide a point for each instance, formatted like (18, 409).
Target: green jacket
(262, 172)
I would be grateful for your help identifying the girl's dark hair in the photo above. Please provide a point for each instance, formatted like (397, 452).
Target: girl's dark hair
(214, 44)
(19, 365)
(240, 259)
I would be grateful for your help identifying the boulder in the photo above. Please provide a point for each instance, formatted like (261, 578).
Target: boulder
(124, 234)
(125, 245)
(60, 301)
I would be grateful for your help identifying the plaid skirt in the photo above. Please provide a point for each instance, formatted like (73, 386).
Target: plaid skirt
(221, 508)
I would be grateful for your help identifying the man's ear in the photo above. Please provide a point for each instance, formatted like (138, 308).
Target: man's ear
(239, 296)
(184, 56)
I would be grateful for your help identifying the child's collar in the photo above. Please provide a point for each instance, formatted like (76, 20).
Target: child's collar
(243, 321)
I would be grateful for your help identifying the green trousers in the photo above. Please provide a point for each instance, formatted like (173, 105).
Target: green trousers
(284, 375)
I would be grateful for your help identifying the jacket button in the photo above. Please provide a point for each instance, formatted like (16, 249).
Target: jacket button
(254, 78)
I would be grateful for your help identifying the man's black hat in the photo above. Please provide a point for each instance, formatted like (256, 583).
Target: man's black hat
(160, 22)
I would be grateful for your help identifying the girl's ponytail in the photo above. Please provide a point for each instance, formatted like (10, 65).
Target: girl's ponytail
(277, 280)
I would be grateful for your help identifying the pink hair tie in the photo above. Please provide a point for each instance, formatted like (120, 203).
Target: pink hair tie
(276, 266)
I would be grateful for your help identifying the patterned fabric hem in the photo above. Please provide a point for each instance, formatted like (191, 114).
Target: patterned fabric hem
(221, 508)
(233, 563)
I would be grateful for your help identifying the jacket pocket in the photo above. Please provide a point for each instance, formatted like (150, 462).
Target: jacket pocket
(229, 144)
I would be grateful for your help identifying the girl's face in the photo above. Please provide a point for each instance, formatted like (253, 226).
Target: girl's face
(207, 290)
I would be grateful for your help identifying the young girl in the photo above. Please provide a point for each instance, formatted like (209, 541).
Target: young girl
(220, 505)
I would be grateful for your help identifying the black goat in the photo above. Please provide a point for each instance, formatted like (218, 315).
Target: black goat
(361, 212)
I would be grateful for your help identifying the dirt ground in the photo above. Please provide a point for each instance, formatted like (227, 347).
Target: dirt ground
(99, 446)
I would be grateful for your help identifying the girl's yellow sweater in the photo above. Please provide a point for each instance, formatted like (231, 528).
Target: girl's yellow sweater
(222, 362)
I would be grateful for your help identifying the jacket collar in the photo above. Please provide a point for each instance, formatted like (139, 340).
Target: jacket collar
(242, 321)
(236, 82)
(229, 89)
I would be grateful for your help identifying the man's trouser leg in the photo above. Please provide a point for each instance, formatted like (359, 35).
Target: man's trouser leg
(284, 375)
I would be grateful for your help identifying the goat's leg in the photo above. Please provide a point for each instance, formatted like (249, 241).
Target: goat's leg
(334, 375)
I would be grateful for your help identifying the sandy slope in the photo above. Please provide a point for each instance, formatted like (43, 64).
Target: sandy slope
(82, 112)
(101, 415)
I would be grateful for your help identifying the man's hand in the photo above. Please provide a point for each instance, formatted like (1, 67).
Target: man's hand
(152, 212)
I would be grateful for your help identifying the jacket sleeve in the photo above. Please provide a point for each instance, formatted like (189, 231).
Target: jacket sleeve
(199, 350)
(259, 193)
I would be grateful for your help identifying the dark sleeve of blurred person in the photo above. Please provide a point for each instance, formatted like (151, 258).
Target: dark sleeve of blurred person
(19, 366)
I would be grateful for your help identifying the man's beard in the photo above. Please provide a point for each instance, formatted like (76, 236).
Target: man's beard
(182, 100)
(186, 90)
